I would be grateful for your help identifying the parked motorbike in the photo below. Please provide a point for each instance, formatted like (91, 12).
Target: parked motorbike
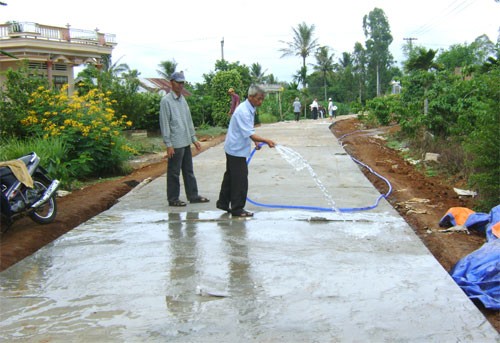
(18, 199)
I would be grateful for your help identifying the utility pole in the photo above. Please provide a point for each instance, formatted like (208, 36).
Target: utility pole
(410, 40)
(222, 48)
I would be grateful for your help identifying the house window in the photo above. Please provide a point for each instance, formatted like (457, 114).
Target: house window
(37, 65)
(59, 80)
(60, 67)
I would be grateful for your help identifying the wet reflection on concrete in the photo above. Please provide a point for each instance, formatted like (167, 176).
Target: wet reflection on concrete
(206, 277)
(146, 272)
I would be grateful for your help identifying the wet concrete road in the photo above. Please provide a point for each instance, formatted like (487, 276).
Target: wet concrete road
(146, 272)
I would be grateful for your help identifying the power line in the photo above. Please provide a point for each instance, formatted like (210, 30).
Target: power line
(454, 8)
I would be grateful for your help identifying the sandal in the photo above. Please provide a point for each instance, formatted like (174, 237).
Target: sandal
(243, 214)
(177, 203)
(199, 199)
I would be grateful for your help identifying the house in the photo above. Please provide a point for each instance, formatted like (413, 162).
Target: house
(51, 50)
(157, 85)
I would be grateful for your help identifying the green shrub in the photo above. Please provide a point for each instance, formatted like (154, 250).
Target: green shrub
(384, 108)
(52, 152)
(482, 142)
(88, 126)
(267, 118)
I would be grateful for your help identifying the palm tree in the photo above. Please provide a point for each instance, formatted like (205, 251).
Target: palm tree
(302, 45)
(301, 76)
(167, 68)
(324, 64)
(258, 76)
(113, 69)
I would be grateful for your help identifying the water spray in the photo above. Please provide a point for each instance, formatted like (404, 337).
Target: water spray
(298, 162)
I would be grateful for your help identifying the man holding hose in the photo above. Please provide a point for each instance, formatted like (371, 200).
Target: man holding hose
(238, 145)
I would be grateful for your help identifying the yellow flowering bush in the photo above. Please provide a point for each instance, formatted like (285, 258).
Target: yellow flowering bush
(86, 123)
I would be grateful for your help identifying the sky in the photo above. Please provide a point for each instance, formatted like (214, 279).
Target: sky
(190, 32)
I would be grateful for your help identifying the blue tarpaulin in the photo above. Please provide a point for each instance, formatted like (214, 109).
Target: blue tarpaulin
(478, 273)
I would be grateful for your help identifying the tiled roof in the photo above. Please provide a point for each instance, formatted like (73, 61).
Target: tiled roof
(159, 84)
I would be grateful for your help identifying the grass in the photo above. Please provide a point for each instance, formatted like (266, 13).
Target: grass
(151, 144)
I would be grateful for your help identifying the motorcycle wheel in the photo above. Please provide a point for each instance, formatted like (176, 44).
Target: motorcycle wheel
(46, 213)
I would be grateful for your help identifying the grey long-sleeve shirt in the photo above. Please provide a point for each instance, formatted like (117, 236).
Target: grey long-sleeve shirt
(176, 124)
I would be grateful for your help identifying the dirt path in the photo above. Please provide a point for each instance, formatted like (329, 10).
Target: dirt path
(422, 201)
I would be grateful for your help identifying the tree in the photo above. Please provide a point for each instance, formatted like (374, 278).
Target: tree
(167, 68)
(256, 73)
(359, 69)
(377, 31)
(467, 56)
(303, 44)
(15, 98)
(301, 76)
(324, 64)
(345, 80)
(421, 59)
(221, 82)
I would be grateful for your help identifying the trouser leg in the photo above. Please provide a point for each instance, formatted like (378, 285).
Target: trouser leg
(225, 188)
(173, 173)
(234, 188)
(190, 184)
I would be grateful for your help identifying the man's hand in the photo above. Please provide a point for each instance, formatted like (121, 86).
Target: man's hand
(270, 143)
(170, 152)
(197, 145)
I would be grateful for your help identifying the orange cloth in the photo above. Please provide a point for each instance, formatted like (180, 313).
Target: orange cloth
(460, 214)
(495, 229)
(20, 171)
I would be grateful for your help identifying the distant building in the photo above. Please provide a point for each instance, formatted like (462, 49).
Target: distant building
(51, 50)
(396, 87)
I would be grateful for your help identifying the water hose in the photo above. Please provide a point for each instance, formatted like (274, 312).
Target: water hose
(326, 209)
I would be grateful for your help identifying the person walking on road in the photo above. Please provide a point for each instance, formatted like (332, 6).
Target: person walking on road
(314, 109)
(178, 134)
(235, 101)
(296, 108)
(330, 109)
(237, 146)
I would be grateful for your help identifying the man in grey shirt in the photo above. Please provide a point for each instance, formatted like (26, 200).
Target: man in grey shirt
(178, 133)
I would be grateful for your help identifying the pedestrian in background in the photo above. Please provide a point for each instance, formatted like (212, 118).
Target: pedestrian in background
(297, 106)
(330, 109)
(235, 101)
(237, 146)
(178, 134)
(314, 108)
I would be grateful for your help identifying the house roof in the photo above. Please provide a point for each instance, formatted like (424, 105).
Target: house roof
(159, 85)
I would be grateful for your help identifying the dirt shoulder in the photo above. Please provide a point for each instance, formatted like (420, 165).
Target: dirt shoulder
(421, 201)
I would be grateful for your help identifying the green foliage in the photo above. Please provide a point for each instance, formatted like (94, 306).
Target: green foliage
(220, 84)
(384, 108)
(482, 141)
(379, 59)
(268, 118)
(303, 44)
(211, 131)
(287, 98)
(200, 105)
(52, 152)
(14, 98)
(354, 107)
(270, 106)
(87, 124)
(141, 108)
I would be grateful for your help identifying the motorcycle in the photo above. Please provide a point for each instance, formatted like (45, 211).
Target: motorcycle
(26, 190)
